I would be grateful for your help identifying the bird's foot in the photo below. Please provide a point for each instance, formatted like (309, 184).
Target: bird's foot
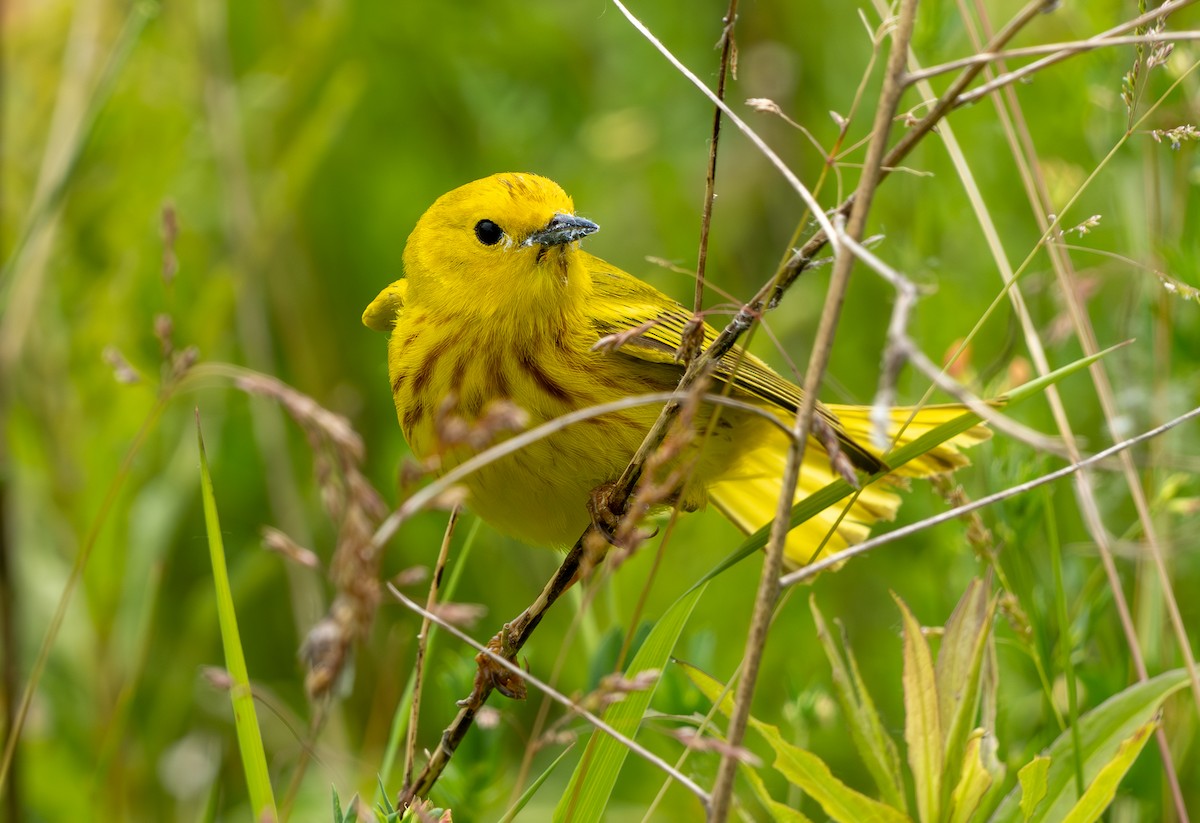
(618, 528)
(504, 680)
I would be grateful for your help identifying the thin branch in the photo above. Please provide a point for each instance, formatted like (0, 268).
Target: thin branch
(629, 743)
(1036, 66)
(768, 589)
(435, 583)
(835, 560)
(1067, 49)
(903, 349)
(804, 256)
(768, 152)
(692, 339)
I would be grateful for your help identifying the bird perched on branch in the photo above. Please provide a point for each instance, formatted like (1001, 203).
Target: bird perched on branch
(500, 306)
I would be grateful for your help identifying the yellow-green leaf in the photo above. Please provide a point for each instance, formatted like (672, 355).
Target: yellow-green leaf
(973, 783)
(591, 784)
(1104, 788)
(922, 727)
(805, 770)
(958, 671)
(254, 758)
(1101, 732)
(1032, 778)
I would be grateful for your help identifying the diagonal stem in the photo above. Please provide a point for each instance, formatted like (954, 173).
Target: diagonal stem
(768, 588)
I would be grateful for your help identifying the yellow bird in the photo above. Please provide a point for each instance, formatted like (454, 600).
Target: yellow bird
(499, 302)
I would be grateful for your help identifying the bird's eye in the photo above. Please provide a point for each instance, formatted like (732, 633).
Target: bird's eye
(489, 233)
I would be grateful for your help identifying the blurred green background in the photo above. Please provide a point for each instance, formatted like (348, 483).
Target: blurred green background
(297, 143)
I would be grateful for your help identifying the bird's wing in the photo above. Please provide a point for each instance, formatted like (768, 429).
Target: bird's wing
(624, 303)
(385, 308)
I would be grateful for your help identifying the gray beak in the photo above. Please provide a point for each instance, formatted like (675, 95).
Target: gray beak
(562, 228)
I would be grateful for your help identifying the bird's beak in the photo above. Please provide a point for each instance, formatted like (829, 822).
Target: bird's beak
(562, 228)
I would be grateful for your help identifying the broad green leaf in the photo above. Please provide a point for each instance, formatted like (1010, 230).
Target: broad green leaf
(780, 812)
(875, 747)
(254, 758)
(715, 691)
(958, 671)
(804, 769)
(1101, 732)
(808, 772)
(596, 774)
(922, 728)
(1104, 788)
(973, 783)
(1032, 779)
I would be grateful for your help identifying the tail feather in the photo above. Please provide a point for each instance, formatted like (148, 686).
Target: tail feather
(747, 495)
(909, 423)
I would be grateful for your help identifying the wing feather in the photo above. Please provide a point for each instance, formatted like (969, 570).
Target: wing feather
(623, 302)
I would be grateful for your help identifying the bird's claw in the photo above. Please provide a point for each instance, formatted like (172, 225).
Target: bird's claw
(502, 679)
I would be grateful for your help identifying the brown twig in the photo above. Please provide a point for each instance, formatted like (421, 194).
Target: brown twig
(504, 662)
(692, 339)
(435, 583)
(768, 589)
(1016, 75)
(804, 256)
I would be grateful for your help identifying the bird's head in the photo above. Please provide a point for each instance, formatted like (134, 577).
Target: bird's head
(506, 241)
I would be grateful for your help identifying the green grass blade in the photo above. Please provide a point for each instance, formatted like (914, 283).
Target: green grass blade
(529, 792)
(1101, 732)
(596, 774)
(254, 759)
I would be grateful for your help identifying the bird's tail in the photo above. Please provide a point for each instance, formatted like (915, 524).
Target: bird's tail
(749, 493)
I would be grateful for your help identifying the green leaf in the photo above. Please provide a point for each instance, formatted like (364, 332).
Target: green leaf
(1032, 779)
(1101, 733)
(780, 812)
(973, 783)
(875, 747)
(596, 774)
(922, 728)
(1104, 788)
(958, 671)
(254, 758)
(804, 769)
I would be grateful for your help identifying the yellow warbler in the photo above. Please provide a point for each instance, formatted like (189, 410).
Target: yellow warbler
(498, 302)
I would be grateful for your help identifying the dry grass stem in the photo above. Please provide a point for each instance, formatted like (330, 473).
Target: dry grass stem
(410, 749)
(768, 589)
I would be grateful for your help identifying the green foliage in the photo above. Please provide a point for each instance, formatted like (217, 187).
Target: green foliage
(940, 753)
(590, 788)
(188, 185)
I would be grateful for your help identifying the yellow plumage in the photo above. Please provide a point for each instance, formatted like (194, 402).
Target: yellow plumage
(499, 303)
